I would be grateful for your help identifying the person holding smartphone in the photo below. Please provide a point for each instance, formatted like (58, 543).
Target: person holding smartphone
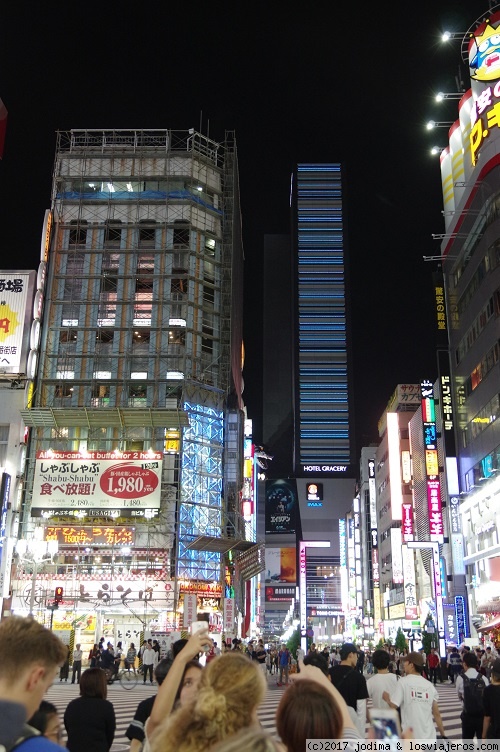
(418, 700)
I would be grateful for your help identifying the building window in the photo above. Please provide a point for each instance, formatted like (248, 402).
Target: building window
(147, 235)
(177, 337)
(208, 295)
(63, 390)
(207, 343)
(78, 232)
(113, 232)
(4, 443)
(181, 237)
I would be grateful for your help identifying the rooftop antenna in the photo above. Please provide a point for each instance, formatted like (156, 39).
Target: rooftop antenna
(201, 119)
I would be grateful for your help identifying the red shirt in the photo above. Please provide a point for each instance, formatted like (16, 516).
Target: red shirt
(433, 660)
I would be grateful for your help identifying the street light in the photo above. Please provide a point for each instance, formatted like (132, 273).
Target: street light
(36, 552)
(436, 581)
(431, 124)
(303, 546)
(441, 95)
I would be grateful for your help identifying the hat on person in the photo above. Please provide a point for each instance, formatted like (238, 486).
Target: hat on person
(346, 649)
(416, 658)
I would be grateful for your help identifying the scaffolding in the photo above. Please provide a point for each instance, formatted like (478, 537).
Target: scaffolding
(139, 335)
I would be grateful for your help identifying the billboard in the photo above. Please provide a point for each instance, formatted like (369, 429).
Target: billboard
(280, 594)
(78, 535)
(281, 565)
(281, 506)
(14, 299)
(86, 480)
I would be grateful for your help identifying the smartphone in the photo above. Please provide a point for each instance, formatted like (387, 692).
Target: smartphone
(200, 626)
(385, 723)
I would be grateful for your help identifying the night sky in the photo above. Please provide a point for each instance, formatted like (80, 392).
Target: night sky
(319, 84)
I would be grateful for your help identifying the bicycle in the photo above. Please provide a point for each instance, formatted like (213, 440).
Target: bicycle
(128, 677)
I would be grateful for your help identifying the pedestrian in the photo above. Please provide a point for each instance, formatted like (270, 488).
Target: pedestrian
(230, 691)
(284, 665)
(135, 731)
(433, 665)
(417, 699)
(360, 666)
(30, 657)
(90, 719)
(260, 656)
(46, 720)
(94, 656)
(77, 663)
(131, 656)
(312, 709)
(455, 664)
(382, 681)
(148, 662)
(64, 670)
(470, 689)
(487, 662)
(491, 703)
(351, 684)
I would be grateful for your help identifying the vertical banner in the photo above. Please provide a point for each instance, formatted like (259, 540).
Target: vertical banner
(410, 587)
(281, 506)
(397, 555)
(228, 616)
(190, 607)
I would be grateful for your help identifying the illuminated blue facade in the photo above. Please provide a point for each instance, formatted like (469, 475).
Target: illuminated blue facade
(200, 509)
(323, 413)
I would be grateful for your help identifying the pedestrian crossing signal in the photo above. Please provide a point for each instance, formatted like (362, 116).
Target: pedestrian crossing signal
(59, 594)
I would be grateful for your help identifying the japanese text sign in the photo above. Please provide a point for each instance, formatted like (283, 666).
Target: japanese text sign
(97, 479)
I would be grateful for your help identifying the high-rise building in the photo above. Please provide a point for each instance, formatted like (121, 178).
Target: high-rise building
(137, 408)
(309, 414)
(308, 410)
(471, 265)
(323, 404)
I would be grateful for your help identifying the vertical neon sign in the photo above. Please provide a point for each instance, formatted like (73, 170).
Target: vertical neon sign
(431, 463)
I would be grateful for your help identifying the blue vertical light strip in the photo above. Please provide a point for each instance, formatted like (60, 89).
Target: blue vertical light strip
(200, 509)
(323, 396)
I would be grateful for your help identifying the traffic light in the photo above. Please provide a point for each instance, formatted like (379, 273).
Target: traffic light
(59, 594)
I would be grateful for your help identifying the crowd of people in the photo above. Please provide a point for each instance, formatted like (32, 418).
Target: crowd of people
(214, 707)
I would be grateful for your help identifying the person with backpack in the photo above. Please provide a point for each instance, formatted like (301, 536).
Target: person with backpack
(470, 688)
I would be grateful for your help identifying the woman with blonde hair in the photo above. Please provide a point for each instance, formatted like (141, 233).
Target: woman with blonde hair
(230, 690)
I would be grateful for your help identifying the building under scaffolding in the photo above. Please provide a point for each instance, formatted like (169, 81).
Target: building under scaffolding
(142, 340)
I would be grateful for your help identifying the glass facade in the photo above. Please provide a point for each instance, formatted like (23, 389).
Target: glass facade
(323, 414)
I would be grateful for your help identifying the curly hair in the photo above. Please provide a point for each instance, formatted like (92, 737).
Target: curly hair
(231, 688)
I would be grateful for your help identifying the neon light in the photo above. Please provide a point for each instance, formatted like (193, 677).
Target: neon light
(394, 466)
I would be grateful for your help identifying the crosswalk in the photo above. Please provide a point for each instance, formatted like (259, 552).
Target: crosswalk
(125, 703)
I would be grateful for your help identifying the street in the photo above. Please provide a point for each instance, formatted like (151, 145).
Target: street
(126, 701)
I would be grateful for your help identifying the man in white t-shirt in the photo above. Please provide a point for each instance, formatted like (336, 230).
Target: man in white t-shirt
(417, 699)
(383, 681)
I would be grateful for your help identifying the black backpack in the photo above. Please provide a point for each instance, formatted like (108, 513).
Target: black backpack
(473, 695)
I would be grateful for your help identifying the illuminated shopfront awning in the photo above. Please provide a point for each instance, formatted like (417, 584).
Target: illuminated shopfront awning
(491, 625)
(219, 545)
(98, 417)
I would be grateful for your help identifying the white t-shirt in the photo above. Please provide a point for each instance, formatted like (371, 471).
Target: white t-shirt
(414, 695)
(379, 684)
